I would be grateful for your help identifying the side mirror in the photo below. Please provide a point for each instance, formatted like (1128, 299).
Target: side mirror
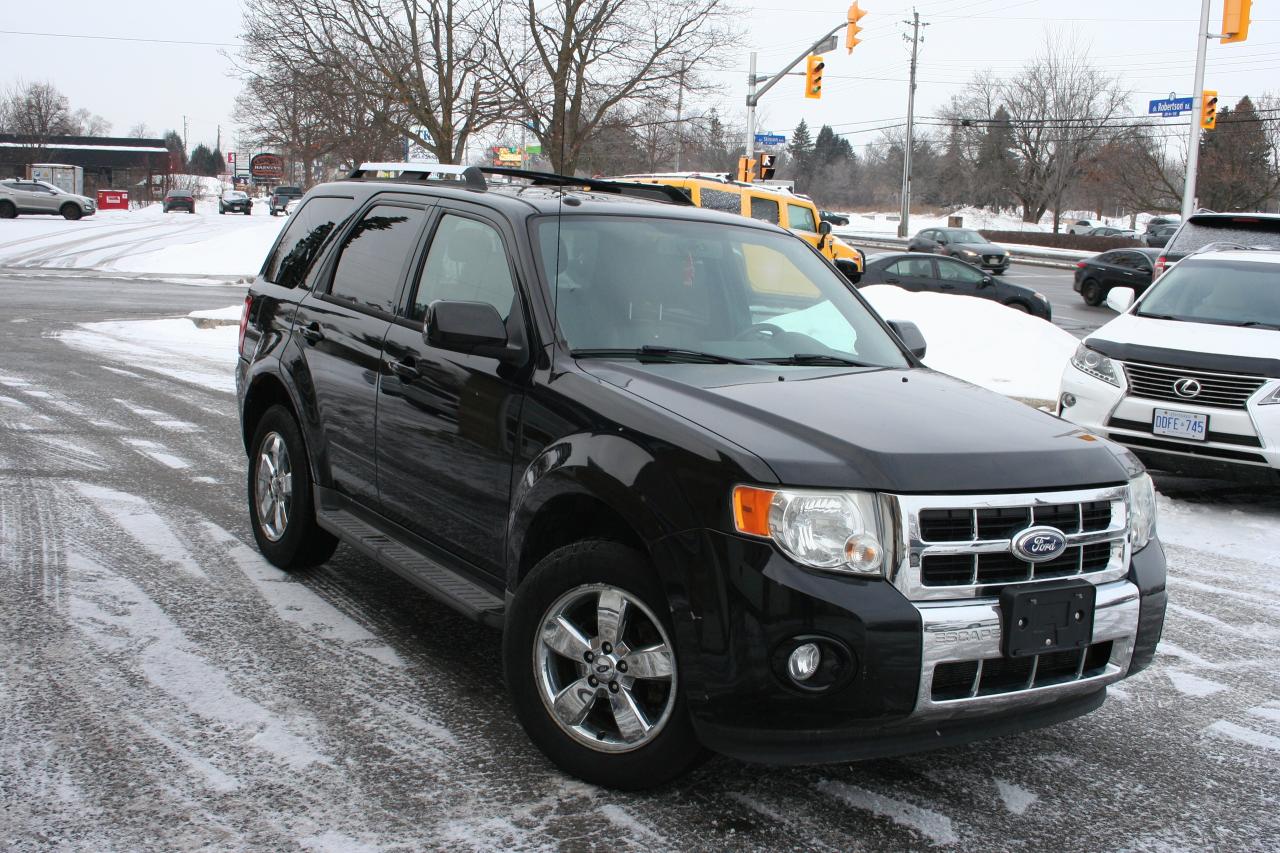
(472, 327)
(987, 281)
(910, 335)
(1119, 299)
(942, 241)
(824, 228)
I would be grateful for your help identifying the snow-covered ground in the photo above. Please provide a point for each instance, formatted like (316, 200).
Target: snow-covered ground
(973, 217)
(145, 240)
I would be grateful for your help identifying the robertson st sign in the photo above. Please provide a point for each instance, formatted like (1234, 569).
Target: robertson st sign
(1170, 106)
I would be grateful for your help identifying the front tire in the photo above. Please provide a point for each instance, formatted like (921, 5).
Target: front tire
(592, 670)
(281, 506)
(1091, 292)
(1018, 306)
(71, 211)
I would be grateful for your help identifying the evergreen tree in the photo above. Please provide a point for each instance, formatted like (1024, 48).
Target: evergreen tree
(799, 150)
(1236, 170)
(177, 151)
(203, 161)
(995, 171)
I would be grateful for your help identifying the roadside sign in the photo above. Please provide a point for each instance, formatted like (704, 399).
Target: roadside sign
(266, 167)
(1169, 106)
(766, 139)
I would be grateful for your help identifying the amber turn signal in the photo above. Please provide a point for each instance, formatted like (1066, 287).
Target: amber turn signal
(751, 510)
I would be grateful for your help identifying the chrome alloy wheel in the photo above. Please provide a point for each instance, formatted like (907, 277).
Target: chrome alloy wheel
(605, 668)
(273, 486)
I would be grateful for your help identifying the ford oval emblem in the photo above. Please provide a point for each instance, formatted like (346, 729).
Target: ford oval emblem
(1038, 544)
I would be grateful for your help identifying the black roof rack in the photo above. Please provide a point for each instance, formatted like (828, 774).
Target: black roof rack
(474, 178)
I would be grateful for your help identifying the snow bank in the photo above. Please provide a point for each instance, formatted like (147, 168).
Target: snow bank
(175, 348)
(981, 341)
(231, 312)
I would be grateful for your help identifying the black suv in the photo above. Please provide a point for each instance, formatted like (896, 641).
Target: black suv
(709, 496)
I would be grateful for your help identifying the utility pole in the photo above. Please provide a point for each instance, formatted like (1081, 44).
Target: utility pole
(218, 145)
(184, 137)
(680, 116)
(753, 98)
(1197, 96)
(904, 219)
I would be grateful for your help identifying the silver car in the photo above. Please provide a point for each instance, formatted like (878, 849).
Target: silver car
(22, 196)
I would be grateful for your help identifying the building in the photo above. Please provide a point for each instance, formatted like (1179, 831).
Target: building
(109, 162)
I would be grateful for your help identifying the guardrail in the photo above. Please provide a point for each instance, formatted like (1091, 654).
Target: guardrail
(1056, 259)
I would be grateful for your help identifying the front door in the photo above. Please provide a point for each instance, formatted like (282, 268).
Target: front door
(961, 279)
(911, 274)
(447, 421)
(342, 326)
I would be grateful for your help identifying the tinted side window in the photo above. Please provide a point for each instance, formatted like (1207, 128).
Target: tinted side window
(801, 218)
(916, 267)
(1128, 260)
(764, 208)
(720, 200)
(302, 239)
(467, 262)
(952, 271)
(374, 256)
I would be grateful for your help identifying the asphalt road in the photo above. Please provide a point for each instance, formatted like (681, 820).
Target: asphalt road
(163, 688)
(1069, 311)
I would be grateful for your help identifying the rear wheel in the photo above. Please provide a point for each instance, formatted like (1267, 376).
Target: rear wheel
(70, 211)
(7, 210)
(1091, 292)
(281, 506)
(592, 669)
(1018, 306)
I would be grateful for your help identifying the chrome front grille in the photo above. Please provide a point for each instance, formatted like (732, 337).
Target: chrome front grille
(991, 676)
(1220, 390)
(961, 546)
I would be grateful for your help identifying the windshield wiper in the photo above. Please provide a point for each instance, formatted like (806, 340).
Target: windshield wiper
(1255, 324)
(817, 358)
(1161, 317)
(667, 353)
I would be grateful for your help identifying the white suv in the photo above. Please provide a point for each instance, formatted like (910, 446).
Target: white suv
(1189, 377)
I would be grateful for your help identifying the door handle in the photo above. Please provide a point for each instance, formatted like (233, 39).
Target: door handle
(312, 333)
(892, 281)
(405, 369)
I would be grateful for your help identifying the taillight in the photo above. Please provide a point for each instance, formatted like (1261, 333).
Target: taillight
(1081, 264)
(244, 321)
(1160, 264)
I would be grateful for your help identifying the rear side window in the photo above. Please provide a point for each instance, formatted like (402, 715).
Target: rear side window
(302, 239)
(801, 218)
(765, 209)
(720, 200)
(1243, 231)
(468, 263)
(374, 256)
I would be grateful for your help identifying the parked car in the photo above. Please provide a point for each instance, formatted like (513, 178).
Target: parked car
(1084, 226)
(1159, 235)
(962, 243)
(179, 200)
(833, 217)
(1188, 376)
(1118, 268)
(1202, 229)
(18, 197)
(1157, 221)
(235, 201)
(948, 275)
(794, 212)
(687, 470)
(1112, 231)
(280, 198)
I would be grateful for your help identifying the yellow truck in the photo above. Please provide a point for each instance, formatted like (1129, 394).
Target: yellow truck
(770, 204)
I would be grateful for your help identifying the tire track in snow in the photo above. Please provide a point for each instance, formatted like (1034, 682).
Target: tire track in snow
(135, 516)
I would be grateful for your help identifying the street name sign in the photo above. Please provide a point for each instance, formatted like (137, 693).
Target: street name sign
(770, 139)
(1170, 106)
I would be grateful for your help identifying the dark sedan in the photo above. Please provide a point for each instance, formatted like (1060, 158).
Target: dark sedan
(963, 243)
(947, 275)
(1157, 236)
(1118, 268)
(235, 201)
(179, 200)
(833, 217)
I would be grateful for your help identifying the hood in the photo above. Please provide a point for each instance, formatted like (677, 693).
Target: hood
(904, 430)
(981, 248)
(1206, 346)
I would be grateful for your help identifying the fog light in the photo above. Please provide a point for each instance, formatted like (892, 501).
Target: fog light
(804, 661)
(1068, 400)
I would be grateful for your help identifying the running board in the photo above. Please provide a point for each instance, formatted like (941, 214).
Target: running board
(441, 582)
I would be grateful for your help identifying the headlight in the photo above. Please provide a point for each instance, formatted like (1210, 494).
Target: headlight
(1142, 511)
(837, 531)
(1272, 398)
(1095, 364)
(1040, 296)
(968, 252)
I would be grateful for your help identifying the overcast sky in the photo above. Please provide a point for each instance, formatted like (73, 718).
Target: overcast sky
(1148, 45)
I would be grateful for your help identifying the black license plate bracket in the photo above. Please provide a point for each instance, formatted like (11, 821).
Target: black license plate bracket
(1047, 618)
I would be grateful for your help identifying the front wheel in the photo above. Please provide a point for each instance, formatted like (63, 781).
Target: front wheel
(281, 506)
(71, 211)
(1091, 292)
(592, 669)
(1018, 306)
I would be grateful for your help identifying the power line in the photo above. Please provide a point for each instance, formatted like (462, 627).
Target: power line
(120, 38)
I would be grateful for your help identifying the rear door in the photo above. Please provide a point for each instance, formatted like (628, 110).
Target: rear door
(447, 421)
(912, 274)
(341, 327)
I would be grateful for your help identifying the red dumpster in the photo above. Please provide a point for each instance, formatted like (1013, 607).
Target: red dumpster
(113, 199)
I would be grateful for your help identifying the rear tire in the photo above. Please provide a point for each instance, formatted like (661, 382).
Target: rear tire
(281, 507)
(1091, 292)
(649, 739)
(71, 211)
(7, 210)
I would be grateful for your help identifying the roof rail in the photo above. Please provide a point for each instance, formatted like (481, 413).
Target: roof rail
(474, 178)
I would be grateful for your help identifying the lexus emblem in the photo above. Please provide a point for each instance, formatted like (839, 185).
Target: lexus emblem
(1186, 387)
(1038, 544)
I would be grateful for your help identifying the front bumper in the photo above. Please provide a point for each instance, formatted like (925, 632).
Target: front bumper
(740, 602)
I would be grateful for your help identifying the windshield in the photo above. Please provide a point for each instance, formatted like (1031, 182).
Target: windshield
(1251, 231)
(964, 235)
(235, 195)
(718, 290)
(1231, 293)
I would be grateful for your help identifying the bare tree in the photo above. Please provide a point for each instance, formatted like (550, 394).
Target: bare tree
(570, 65)
(84, 123)
(428, 55)
(37, 111)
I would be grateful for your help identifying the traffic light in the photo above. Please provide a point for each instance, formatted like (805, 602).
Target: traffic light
(1208, 109)
(813, 77)
(1235, 20)
(746, 169)
(851, 39)
(765, 168)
